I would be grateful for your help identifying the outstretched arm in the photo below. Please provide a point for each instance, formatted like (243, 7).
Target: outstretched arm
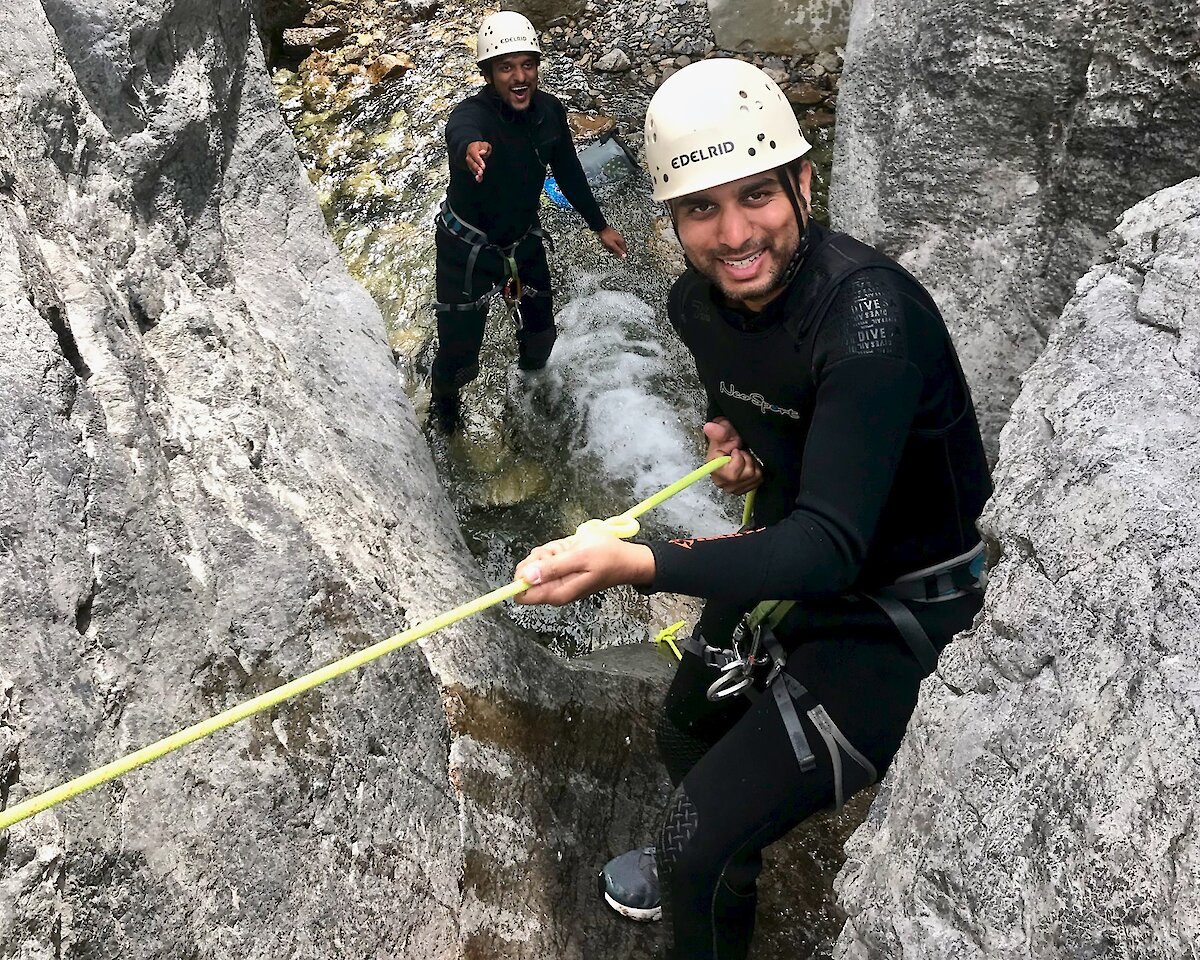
(466, 140)
(578, 566)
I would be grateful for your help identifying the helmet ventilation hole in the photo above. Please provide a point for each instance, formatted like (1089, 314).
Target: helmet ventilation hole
(751, 151)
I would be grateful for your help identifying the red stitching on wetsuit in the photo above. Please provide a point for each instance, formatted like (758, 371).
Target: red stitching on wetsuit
(687, 543)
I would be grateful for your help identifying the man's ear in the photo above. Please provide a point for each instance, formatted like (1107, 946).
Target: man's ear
(804, 182)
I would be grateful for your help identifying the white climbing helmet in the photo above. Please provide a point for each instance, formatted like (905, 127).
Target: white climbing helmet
(716, 121)
(505, 32)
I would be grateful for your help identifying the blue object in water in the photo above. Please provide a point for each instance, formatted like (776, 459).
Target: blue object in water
(556, 195)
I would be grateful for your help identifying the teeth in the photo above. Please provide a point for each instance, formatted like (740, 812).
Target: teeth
(738, 264)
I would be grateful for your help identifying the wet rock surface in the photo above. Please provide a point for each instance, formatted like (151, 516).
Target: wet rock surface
(1043, 802)
(992, 147)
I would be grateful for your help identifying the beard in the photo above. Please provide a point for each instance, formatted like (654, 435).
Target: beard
(775, 275)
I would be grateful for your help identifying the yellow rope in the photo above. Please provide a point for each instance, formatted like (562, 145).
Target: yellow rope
(748, 509)
(132, 761)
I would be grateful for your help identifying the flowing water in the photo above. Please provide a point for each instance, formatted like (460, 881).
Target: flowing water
(616, 414)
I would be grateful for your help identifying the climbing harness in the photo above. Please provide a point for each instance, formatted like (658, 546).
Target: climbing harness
(511, 288)
(623, 525)
(754, 647)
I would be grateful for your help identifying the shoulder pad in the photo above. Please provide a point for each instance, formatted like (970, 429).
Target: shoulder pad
(865, 318)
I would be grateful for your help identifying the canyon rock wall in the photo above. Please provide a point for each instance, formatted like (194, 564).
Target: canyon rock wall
(992, 147)
(1043, 803)
(211, 482)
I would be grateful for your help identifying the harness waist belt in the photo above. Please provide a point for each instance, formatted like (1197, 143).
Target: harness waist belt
(456, 226)
(942, 581)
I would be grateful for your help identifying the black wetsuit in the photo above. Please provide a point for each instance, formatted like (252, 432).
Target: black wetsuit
(851, 396)
(504, 206)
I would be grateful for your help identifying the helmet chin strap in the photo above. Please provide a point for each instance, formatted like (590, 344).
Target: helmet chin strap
(793, 267)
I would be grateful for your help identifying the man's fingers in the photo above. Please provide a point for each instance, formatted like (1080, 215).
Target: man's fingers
(741, 474)
(532, 569)
(549, 562)
(616, 243)
(556, 580)
(722, 438)
(477, 152)
(560, 591)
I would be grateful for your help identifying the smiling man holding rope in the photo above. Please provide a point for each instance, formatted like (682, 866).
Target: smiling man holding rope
(834, 387)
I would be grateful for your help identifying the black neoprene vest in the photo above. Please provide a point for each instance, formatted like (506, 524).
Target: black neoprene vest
(767, 384)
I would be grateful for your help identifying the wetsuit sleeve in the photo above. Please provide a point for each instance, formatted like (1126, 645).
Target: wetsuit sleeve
(867, 395)
(568, 171)
(464, 127)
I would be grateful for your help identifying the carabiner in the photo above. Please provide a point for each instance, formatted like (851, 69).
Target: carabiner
(734, 678)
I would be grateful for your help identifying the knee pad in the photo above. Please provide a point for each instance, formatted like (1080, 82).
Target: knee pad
(464, 375)
(680, 822)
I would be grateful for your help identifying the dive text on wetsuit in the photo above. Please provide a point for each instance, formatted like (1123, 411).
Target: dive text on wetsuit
(704, 153)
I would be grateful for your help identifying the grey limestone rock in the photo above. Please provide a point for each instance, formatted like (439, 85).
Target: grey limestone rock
(615, 61)
(1043, 803)
(211, 482)
(789, 27)
(993, 145)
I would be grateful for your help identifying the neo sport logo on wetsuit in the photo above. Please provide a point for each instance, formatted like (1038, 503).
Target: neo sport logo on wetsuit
(758, 400)
(715, 150)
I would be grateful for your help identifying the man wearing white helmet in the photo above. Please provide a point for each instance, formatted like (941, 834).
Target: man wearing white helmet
(500, 141)
(833, 385)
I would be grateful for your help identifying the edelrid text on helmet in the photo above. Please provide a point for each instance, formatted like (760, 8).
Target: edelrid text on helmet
(695, 156)
(717, 121)
(505, 32)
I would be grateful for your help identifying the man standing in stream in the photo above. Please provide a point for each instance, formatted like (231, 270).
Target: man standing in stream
(489, 239)
(833, 385)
